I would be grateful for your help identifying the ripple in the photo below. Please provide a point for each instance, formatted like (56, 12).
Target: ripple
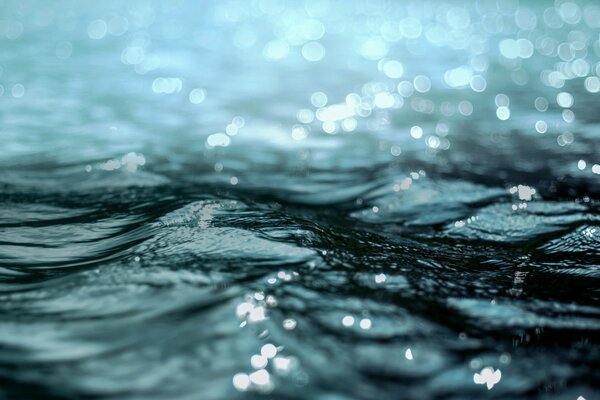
(420, 201)
(66, 243)
(502, 223)
(196, 231)
(494, 315)
(585, 239)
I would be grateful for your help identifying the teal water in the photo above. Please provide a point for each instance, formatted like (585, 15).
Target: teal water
(299, 199)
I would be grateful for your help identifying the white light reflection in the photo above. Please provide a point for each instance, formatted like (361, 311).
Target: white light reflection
(241, 382)
(268, 350)
(380, 278)
(289, 324)
(487, 376)
(97, 29)
(282, 364)
(218, 140)
(197, 96)
(260, 377)
(348, 321)
(524, 192)
(365, 324)
(258, 361)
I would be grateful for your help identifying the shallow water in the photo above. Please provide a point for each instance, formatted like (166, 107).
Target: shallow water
(303, 200)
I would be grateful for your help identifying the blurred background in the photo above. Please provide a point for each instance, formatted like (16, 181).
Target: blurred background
(299, 199)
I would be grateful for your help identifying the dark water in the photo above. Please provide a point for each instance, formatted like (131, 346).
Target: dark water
(299, 200)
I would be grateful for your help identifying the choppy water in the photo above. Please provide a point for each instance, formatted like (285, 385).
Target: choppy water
(301, 200)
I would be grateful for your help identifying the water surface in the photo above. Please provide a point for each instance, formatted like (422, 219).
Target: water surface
(299, 200)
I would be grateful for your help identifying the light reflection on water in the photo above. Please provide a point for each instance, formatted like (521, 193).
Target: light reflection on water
(317, 199)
